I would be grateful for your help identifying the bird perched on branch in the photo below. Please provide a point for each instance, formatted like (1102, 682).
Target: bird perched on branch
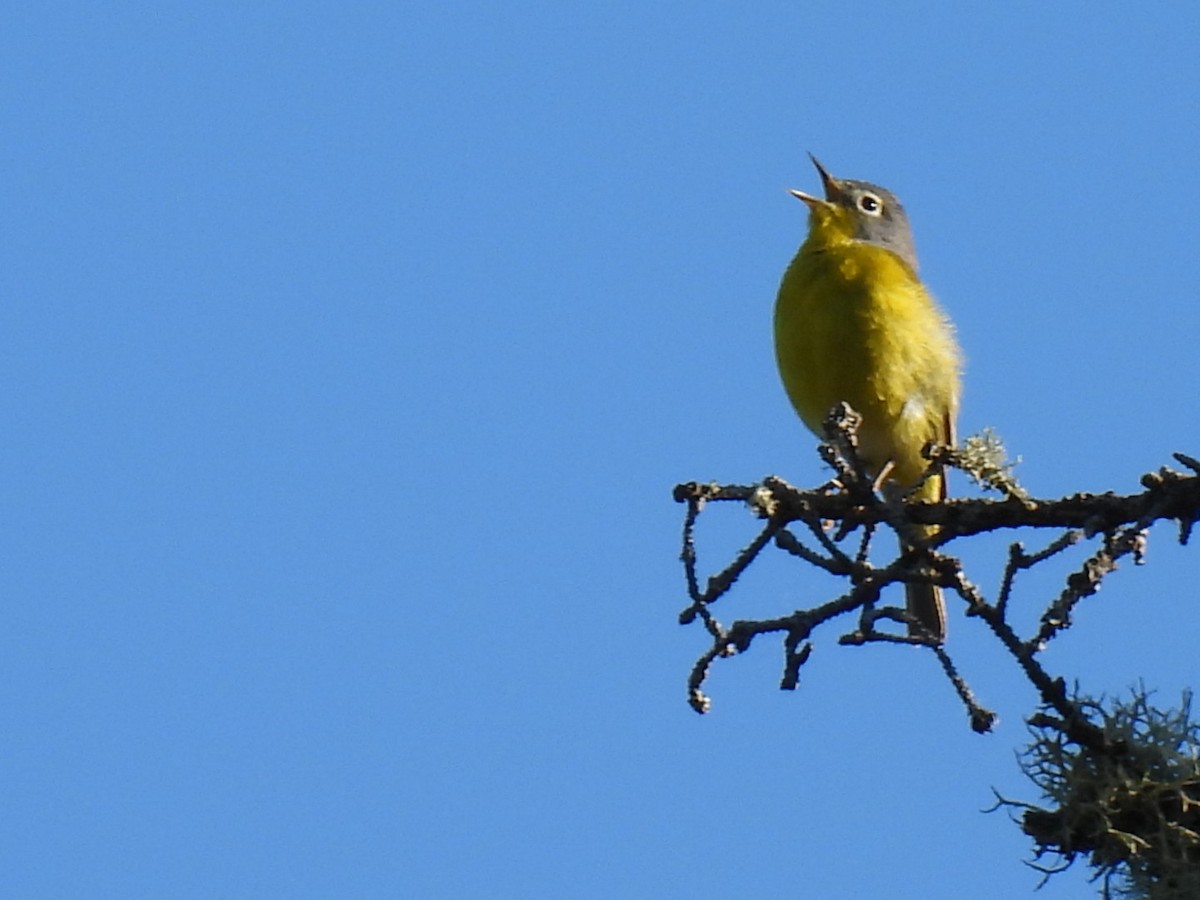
(854, 323)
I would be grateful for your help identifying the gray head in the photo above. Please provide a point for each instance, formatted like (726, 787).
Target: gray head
(877, 214)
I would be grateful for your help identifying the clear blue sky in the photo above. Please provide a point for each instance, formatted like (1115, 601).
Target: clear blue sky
(350, 352)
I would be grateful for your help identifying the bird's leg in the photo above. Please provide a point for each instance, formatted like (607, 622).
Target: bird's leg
(884, 473)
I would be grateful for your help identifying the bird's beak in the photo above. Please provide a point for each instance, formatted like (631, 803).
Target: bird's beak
(813, 202)
(832, 190)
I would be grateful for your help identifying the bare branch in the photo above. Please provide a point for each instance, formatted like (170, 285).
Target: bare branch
(852, 503)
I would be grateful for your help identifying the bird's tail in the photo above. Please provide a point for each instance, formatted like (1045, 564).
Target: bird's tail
(927, 606)
(925, 602)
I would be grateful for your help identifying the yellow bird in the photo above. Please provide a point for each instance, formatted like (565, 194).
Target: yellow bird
(854, 323)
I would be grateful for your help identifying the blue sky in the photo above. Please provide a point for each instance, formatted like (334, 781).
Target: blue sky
(351, 352)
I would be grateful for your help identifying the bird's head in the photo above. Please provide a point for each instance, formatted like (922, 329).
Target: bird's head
(859, 211)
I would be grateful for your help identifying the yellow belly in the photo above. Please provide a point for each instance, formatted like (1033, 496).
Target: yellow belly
(854, 324)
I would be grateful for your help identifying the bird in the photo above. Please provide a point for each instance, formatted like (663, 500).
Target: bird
(854, 323)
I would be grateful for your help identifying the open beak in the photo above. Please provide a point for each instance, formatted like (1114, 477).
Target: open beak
(832, 190)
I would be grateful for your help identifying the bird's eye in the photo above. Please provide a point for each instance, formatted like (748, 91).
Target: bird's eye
(870, 204)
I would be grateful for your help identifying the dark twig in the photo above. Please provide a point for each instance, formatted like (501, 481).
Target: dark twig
(1018, 560)
(852, 503)
(1086, 581)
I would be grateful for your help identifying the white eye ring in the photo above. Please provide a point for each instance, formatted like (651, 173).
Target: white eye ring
(870, 204)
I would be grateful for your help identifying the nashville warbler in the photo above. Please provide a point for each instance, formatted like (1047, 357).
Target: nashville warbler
(854, 323)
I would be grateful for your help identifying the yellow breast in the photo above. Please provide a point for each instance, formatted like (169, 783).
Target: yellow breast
(853, 323)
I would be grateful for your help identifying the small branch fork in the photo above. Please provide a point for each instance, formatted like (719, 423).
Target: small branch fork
(813, 525)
